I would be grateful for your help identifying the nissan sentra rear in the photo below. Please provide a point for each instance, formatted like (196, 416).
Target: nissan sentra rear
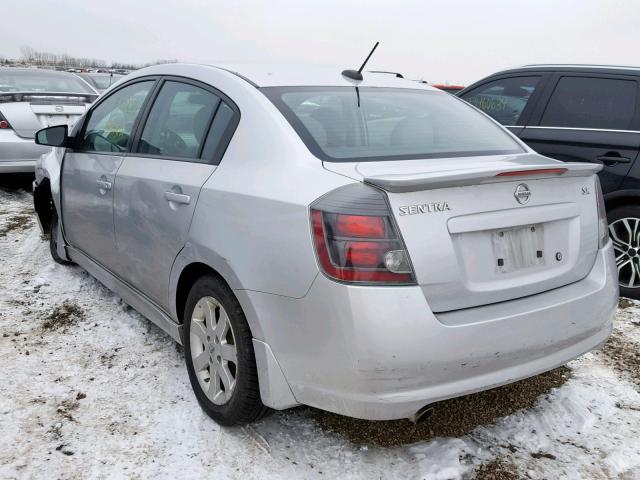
(355, 242)
(456, 260)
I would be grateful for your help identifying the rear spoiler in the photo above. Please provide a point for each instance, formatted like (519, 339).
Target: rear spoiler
(488, 174)
(48, 97)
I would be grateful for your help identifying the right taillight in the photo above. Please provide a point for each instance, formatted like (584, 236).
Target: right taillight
(356, 238)
(3, 122)
(603, 225)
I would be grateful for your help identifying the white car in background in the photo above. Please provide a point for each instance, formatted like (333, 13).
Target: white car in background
(31, 99)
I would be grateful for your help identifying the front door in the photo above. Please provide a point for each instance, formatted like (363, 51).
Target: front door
(590, 119)
(157, 186)
(89, 171)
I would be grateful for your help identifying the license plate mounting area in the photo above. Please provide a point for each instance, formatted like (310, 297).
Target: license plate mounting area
(518, 248)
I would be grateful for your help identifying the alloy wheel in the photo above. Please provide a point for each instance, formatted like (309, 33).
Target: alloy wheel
(625, 234)
(214, 355)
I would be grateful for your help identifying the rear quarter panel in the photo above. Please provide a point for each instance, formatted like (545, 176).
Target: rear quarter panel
(251, 223)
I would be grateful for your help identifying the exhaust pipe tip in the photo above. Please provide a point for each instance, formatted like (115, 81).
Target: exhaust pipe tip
(422, 414)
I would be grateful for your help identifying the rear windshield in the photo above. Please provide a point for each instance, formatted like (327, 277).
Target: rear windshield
(41, 81)
(102, 81)
(370, 123)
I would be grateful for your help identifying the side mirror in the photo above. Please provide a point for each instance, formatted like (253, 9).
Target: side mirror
(53, 136)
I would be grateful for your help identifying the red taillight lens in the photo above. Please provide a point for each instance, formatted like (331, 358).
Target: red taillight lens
(359, 226)
(356, 237)
(356, 259)
(366, 254)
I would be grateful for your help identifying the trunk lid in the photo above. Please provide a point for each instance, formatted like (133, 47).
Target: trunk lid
(29, 112)
(470, 240)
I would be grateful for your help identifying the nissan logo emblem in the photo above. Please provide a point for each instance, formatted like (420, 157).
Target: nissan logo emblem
(522, 193)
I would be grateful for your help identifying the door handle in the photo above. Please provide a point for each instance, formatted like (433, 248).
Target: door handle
(610, 160)
(177, 197)
(104, 184)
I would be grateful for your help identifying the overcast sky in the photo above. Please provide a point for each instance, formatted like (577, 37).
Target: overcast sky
(456, 41)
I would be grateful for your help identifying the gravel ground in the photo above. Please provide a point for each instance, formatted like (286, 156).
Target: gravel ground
(91, 389)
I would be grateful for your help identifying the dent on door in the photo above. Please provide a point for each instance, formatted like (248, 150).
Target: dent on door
(154, 203)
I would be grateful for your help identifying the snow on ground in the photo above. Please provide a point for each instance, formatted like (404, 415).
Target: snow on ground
(91, 389)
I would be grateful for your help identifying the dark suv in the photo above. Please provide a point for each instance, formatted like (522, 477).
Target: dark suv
(583, 113)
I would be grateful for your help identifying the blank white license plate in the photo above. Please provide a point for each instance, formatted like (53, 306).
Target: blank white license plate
(518, 248)
(54, 120)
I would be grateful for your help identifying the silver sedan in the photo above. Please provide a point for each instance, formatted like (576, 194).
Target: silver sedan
(31, 99)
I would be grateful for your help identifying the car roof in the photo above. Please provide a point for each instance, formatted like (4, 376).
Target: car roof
(274, 75)
(567, 67)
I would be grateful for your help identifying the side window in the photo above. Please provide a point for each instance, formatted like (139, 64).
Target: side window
(604, 103)
(178, 122)
(224, 117)
(504, 99)
(111, 122)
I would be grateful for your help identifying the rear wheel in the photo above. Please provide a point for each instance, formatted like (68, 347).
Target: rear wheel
(53, 240)
(219, 354)
(624, 229)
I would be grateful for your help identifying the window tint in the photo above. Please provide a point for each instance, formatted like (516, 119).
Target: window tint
(591, 103)
(178, 121)
(110, 124)
(342, 123)
(504, 99)
(221, 122)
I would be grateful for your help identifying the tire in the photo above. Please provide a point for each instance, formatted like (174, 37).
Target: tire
(231, 396)
(624, 230)
(53, 240)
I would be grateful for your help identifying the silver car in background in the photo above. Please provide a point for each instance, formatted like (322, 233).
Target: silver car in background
(31, 99)
(365, 247)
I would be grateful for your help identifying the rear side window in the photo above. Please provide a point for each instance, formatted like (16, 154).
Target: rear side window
(178, 122)
(220, 126)
(505, 99)
(602, 103)
(110, 123)
(369, 123)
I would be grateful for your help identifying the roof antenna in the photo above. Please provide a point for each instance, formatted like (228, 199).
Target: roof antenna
(357, 74)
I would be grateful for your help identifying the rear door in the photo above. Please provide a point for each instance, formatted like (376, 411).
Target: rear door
(89, 169)
(508, 100)
(589, 118)
(178, 147)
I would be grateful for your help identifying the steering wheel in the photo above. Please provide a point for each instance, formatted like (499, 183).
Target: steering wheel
(171, 142)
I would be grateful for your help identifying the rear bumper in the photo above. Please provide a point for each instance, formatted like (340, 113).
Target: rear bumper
(379, 353)
(18, 154)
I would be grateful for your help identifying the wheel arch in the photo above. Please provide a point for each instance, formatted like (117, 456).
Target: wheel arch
(620, 198)
(275, 391)
(186, 272)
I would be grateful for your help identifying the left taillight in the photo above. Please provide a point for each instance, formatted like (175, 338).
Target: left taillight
(4, 124)
(356, 238)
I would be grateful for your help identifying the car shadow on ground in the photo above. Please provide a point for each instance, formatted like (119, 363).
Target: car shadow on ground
(12, 182)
